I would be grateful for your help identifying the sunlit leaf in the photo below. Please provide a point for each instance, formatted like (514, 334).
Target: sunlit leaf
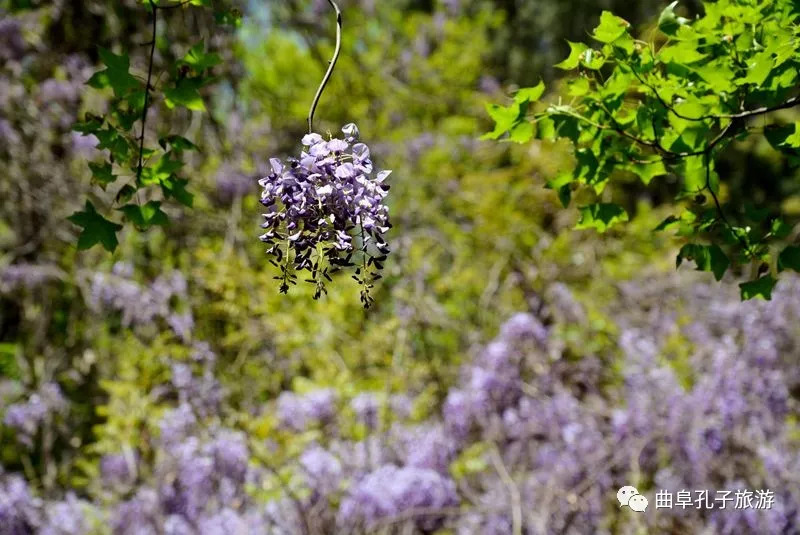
(601, 216)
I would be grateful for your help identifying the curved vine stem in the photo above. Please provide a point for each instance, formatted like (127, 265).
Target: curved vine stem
(330, 65)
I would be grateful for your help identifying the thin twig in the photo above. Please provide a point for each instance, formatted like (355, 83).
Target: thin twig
(742, 241)
(508, 481)
(147, 89)
(173, 6)
(330, 66)
(790, 103)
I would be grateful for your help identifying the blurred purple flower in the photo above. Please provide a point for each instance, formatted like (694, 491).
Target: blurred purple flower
(390, 491)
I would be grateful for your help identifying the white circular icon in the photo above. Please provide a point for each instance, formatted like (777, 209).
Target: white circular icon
(629, 496)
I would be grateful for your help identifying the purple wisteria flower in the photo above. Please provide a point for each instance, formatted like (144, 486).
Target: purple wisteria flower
(323, 470)
(324, 207)
(389, 492)
(26, 417)
(367, 408)
(298, 412)
(18, 508)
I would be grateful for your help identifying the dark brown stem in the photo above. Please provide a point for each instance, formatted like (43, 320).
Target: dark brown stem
(147, 88)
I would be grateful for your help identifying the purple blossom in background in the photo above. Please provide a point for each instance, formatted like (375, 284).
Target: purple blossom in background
(27, 416)
(202, 392)
(84, 146)
(53, 90)
(176, 424)
(367, 406)
(232, 184)
(202, 353)
(323, 469)
(181, 324)
(117, 470)
(428, 446)
(8, 135)
(419, 145)
(390, 491)
(139, 515)
(12, 42)
(18, 508)
(138, 304)
(227, 522)
(322, 207)
(67, 517)
(299, 411)
(713, 414)
(401, 406)
(522, 327)
(230, 454)
(489, 84)
(28, 276)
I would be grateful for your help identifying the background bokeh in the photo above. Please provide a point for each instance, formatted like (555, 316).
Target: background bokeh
(512, 374)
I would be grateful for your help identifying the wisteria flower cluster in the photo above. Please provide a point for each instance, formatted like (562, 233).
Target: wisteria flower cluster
(325, 207)
(139, 304)
(27, 417)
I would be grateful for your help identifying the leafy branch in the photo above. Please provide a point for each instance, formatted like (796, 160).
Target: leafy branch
(131, 98)
(655, 112)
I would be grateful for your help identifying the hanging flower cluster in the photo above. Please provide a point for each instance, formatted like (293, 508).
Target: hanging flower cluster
(323, 208)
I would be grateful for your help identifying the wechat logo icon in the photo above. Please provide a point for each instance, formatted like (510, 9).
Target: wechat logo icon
(629, 496)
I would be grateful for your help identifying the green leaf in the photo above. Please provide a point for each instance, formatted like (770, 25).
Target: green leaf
(592, 59)
(162, 170)
(177, 143)
(785, 138)
(111, 139)
(789, 258)
(198, 59)
(576, 51)
(530, 94)
(505, 118)
(706, 257)
(102, 173)
(522, 132)
(693, 171)
(563, 185)
(611, 28)
(90, 125)
(681, 53)
(125, 193)
(185, 93)
(545, 128)
(718, 74)
(646, 171)
(145, 216)
(96, 229)
(668, 22)
(601, 216)
(669, 222)
(176, 188)
(115, 75)
(564, 124)
(780, 228)
(565, 195)
(758, 288)
(577, 87)
(758, 68)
